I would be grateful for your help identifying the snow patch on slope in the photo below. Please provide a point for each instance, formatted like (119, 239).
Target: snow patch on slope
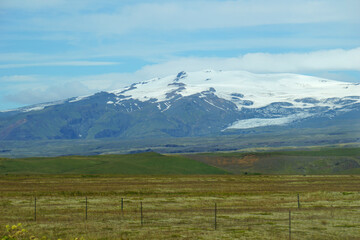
(41, 106)
(78, 98)
(262, 122)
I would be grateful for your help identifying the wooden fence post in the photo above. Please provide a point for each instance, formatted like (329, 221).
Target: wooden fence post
(298, 200)
(35, 210)
(215, 216)
(122, 205)
(141, 213)
(289, 224)
(86, 208)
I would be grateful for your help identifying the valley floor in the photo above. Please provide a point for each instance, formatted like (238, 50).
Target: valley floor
(181, 207)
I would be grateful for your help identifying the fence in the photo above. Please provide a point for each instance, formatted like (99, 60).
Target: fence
(283, 218)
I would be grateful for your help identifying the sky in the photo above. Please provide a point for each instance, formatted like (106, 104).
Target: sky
(56, 49)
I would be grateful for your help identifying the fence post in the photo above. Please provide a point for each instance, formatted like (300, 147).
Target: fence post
(141, 213)
(35, 210)
(122, 205)
(289, 224)
(215, 216)
(298, 201)
(86, 208)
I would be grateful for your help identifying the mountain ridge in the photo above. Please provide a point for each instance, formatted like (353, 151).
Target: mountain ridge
(184, 105)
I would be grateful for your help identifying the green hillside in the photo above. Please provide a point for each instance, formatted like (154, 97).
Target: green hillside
(309, 161)
(141, 163)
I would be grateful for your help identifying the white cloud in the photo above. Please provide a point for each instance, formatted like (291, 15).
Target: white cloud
(70, 63)
(55, 5)
(317, 61)
(24, 56)
(30, 94)
(110, 81)
(154, 29)
(30, 5)
(18, 78)
(36, 89)
(33, 89)
(190, 15)
(328, 60)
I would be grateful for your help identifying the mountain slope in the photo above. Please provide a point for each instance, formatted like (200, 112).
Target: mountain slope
(201, 103)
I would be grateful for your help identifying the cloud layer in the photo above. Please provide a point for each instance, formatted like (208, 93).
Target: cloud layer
(179, 15)
(72, 63)
(329, 60)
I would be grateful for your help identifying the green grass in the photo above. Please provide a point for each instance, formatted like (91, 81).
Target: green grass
(182, 207)
(314, 160)
(315, 151)
(142, 163)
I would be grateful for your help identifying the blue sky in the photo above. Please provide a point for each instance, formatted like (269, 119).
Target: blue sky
(55, 49)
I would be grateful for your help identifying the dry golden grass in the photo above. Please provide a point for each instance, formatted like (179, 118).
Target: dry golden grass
(182, 207)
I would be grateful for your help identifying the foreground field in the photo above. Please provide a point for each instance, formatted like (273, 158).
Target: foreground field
(182, 207)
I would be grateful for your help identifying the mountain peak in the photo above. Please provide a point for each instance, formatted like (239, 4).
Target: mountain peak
(180, 75)
(260, 89)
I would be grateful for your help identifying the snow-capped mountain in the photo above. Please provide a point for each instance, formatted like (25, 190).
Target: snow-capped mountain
(304, 95)
(243, 88)
(187, 104)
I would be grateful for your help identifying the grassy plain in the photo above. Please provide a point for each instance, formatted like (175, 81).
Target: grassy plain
(316, 160)
(141, 163)
(182, 207)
